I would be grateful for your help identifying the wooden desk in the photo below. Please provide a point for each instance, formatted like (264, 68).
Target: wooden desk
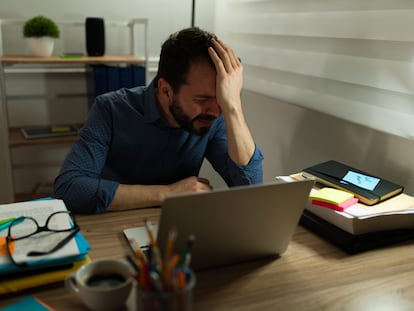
(311, 275)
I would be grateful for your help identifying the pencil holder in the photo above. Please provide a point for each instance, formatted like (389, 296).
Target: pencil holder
(167, 300)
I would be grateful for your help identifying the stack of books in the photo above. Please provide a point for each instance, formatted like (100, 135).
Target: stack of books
(38, 270)
(383, 215)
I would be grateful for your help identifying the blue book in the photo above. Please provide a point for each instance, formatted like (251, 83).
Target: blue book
(100, 81)
(126, 77)
(138, 75)
(112, 78)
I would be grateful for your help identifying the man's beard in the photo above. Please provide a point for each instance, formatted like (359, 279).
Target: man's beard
(185, 122)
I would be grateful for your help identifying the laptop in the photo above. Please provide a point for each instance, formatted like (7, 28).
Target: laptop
(231, 225)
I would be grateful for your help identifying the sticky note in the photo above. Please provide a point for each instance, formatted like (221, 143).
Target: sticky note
(341, 207)
(331, 195)
(3, 246)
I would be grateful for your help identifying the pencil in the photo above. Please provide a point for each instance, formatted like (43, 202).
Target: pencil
(168, 271)
(138, 253)
(155, 252)
(172, 235)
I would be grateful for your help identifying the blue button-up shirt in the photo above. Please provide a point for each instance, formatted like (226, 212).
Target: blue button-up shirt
(126, 141)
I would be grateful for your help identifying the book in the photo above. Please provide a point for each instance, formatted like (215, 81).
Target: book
(100, 79)
(12, 284)
(354, 243)
(368, 188)
(138, 73)
(31, 303)
(113, 78)
(49, 131)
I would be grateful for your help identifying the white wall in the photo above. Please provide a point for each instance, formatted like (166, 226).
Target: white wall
(292, 138)
(351, 59)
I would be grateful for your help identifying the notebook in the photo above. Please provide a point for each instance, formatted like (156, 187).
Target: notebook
(231, 225)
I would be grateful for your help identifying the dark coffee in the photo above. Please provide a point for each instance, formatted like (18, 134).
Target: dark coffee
(105, 280)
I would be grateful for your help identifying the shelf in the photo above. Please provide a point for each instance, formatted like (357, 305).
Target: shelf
(85, 60)
(13, 63)
(16, 139)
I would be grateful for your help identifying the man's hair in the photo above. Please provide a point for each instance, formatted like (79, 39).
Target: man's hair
(179, 51)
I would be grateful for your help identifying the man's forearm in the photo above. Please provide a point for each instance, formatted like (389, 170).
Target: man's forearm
(137, 196)
(141, 196)
(240, 141)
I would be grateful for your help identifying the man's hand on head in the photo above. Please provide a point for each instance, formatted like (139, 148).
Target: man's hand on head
(229, 81)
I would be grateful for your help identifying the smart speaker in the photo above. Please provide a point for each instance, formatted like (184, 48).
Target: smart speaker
(95, 36)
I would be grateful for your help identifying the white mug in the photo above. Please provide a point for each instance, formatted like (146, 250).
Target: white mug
(102, 284)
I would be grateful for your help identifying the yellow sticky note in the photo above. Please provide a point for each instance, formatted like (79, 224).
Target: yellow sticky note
(331, 195)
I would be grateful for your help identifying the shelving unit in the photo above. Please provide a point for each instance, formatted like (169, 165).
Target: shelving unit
(9, 64)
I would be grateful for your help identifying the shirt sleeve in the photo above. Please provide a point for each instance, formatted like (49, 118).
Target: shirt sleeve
(79, 183)
(233, 174)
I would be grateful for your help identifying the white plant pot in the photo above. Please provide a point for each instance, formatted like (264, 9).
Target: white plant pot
(42, 46)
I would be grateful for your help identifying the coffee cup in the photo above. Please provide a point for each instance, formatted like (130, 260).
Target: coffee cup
(102, 284)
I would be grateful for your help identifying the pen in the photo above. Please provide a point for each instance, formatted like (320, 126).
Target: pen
(186, 254)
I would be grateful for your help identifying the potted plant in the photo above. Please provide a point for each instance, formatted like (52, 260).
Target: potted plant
(41, 33)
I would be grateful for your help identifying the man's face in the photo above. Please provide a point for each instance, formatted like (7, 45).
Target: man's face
(194, 107)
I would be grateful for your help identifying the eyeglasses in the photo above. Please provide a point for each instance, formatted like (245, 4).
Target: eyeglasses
(24, 227)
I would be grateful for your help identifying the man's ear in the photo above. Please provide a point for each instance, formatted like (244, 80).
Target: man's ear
(165, 89)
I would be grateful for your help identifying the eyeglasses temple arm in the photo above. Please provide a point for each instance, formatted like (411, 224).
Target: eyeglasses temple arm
(58, 246)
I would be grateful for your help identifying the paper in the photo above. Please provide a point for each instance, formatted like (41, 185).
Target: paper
(400, 204)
